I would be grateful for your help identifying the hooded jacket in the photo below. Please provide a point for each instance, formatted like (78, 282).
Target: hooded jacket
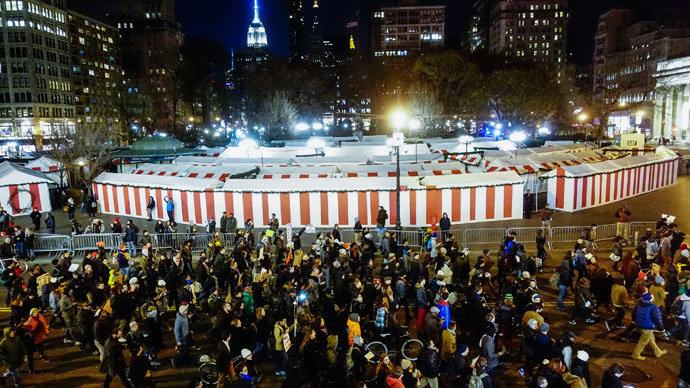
(11, 350)
(353, 330)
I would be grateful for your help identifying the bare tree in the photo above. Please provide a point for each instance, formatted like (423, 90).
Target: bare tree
(278, 112)
(88, 143)
(424, 105)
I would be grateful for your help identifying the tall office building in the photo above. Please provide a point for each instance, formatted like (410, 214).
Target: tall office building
(296, 30)
(36, 89)
(405, 30)
(256, 35)
(316, 44)
(531, 30)
(96, 71)
(627, 49)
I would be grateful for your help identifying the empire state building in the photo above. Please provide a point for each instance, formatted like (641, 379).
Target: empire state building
(256, 36)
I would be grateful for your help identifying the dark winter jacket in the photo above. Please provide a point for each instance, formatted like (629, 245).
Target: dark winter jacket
(581, 368)
(113, 360)
(609, 380)
(429, 362)
(444, 223)
(11, 350)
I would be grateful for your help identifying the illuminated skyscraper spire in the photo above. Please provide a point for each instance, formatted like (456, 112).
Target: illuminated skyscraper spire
(256, 36)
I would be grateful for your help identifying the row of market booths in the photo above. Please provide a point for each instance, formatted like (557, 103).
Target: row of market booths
(343, 179)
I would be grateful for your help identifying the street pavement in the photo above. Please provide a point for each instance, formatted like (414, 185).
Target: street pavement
(72, 368)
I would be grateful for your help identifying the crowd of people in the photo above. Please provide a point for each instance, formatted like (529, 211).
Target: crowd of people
(313, 306)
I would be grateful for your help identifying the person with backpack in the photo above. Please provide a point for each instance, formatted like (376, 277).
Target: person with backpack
(681, 310)
(480, 377)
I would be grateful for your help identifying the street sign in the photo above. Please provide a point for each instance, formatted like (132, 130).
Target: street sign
(403, 188)
(288, 232)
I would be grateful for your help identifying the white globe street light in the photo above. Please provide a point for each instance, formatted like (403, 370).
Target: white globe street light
(466, 140)
(518, 137)
(317, 126)
(316, 144)
(399, 119)
(302, 126)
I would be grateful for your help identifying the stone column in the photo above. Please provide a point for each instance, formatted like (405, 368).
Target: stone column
(668, 113)
(660, 96)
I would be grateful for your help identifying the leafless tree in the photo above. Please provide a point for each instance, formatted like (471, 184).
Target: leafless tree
(278, 112)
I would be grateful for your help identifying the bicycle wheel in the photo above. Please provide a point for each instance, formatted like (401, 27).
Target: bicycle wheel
(411, 349)
(208, 373)
(370, 373)
(377, 348)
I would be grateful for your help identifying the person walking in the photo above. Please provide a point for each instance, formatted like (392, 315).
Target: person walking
(50, 223)
(564, 281)
(12, 355)
(546, 218)
(113, 363)
(38, 328)
(619, 297)
(381, 218)
(150, 206)
(622, 222)
(182, 334)
(527, 205)
(36, 219)
(648, 318)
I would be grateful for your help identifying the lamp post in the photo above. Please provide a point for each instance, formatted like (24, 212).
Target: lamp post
(517, 138)
(399, 119)
(466, 140)
(581, 118)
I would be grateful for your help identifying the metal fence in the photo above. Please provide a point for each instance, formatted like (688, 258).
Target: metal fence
(52, 243)
(484, 236)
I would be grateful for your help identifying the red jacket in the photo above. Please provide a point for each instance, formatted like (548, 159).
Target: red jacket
(38, 328)
(392, 382)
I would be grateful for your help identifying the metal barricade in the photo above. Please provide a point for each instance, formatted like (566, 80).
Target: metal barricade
(52, 243)
(200, 241)
(639, 228)
(529, 235)
(87, 242)
(483, 236)
(605, 232)
(560, 234)
(413, 237)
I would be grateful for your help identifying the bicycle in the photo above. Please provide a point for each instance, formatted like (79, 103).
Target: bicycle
(410, 350)
(208, 371)
(22, 264)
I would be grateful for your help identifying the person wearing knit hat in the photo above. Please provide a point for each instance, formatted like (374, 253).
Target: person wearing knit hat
(181, 331)
(580, 367)
(648, 317)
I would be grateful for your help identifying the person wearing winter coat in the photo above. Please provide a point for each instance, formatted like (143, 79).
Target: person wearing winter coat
(421, 303)
(37, 326)
(445, 226)
(580, 367)
(12, 354)
(432, 326)
(182, 334)
(449, 342)
(381, 217)
(50, 223)
(353, 328)
(683, 326)
(619, 297)
(488, 349)
(394, 380)
(113, 363)
(149, 207)
(456, 368)
(583, 302)
(612, 376)
(648, 318)
(429, 365)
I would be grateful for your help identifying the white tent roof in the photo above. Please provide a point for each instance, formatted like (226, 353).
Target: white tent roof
(202, 160)
(44, 164)
(409, 158)
(610, 166)
(321, 184)
(12, 174)
(155, 181)
(276, 170)
(472, 180)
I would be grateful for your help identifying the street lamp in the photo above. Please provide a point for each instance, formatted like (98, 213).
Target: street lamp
(399, 119)
(316, 144)
(302, 126)
(517, 138)
(466, 140)
(396, 141)
(414, 124)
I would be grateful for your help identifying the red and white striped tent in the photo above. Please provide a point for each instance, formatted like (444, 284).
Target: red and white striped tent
(301, 172)
(128, 194)
(595, 184)
(190, 171)
(22, 189)
(51, 169)
(320, 202)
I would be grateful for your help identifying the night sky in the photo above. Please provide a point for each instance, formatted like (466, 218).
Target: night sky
(227, 20)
